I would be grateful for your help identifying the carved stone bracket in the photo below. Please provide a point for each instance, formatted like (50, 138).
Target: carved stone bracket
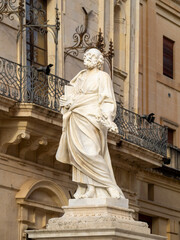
(25, 133)
(37, 148)
(50, 151)
(33, 146)
(12, 137)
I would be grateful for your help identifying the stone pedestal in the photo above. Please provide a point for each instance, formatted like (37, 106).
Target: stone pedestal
(106, 218)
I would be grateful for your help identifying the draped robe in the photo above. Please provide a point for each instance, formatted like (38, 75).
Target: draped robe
(83, 143)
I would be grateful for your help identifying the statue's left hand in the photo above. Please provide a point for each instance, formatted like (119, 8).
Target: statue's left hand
(108, 123)
(113, 128)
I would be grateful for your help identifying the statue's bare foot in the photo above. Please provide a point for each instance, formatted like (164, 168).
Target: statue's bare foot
(114, 193)
(79, 192)
(90, 192)
(76, 195)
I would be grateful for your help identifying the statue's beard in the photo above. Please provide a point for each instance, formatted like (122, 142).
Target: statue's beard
(90, 64)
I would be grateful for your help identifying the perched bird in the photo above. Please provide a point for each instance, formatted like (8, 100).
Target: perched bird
(150, 118)
(46, 69)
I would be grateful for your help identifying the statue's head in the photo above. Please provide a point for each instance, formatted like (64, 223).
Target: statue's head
(93, 58)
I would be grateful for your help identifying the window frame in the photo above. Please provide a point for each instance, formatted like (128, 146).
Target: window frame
(33, 47)
(168, 57)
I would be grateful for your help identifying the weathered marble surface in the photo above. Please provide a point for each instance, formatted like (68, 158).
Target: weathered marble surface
(89, 108)
(95, 219)
(98, 202)
(94, 213)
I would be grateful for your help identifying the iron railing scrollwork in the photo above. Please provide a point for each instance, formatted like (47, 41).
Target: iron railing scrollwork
(133, 128)
(9, 9)
(36, 17)
(10, 75)
(26, 84)
(41, 89)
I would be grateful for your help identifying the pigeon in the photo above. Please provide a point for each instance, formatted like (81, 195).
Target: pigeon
(46, 69)
(150, 118)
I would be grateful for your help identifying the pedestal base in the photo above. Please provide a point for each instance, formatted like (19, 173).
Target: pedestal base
(95, 219)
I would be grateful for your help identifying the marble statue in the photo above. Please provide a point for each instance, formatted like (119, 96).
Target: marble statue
(89, 108)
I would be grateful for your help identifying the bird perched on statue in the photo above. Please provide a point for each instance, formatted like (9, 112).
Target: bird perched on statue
(150, 118)
(46, 69)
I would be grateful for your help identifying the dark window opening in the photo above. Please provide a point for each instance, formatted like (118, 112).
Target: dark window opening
(168, 57)
(36, 42)
(150, 192)
(171, 136)
(147, 219)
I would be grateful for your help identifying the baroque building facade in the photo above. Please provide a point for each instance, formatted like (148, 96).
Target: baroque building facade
(145, 72)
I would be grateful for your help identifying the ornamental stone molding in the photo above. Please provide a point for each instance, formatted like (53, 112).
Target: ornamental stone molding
(31, 185)
(104, 218)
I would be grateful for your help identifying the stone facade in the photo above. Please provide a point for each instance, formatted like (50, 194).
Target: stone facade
(34, 186)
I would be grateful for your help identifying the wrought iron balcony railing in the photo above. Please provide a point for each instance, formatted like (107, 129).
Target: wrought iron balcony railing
(10, 79)
(26, 84)
(133, 128)
(41, 89)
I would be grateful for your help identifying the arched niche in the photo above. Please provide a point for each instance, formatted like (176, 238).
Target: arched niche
(38, 201)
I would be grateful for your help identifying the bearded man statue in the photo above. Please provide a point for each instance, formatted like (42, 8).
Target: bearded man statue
(89, 108)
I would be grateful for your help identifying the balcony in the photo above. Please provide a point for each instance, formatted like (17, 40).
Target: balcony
(27, 85)
(133, 128)
(173, 153)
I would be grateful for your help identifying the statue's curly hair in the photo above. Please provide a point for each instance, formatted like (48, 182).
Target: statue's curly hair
(100, 61)
(100, 58)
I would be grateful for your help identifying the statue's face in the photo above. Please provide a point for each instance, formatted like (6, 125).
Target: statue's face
(91, 58)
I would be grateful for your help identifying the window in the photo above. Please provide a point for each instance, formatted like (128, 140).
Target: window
(170, 136)
(150, 192)
(36, 42)
(168, 57)
(147, 219)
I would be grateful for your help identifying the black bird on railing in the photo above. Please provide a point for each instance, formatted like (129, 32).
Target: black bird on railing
(46, 69)
(150, 118)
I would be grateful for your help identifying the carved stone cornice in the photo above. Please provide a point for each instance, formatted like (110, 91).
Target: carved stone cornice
(158, 178)
(119, 73)
(136, 155)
